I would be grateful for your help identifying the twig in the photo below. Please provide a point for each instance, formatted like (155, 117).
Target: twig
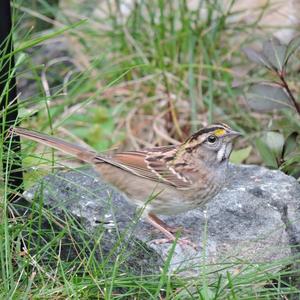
(286, 86)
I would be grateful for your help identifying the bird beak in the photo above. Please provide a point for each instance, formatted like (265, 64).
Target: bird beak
(234, 134)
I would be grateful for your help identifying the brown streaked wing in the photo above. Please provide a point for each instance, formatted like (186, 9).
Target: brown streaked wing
(151, 165)
(162, 149)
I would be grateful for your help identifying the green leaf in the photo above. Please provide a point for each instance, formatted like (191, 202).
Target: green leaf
(238, 156)
(275, 53)
(257, 57)
(293, 160)
(293, 45)
(100, 114)
(290, 145)
(292, 166)
(275, 141)
(266, 154)
(265, 97)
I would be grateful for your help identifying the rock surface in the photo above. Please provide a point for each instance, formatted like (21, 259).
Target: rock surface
(255, 218)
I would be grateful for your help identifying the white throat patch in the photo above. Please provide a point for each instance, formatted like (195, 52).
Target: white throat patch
(228, 150)
(221, 153)
(224, 152)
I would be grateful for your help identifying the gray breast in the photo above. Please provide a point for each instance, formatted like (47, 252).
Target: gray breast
(214, 184)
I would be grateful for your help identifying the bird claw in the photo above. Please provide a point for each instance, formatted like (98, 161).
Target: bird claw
(167, 231)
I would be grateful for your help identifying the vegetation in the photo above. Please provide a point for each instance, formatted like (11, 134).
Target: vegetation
(129, 78)
(267, 96)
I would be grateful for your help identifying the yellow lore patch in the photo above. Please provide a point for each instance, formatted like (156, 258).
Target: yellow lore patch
(219, 132)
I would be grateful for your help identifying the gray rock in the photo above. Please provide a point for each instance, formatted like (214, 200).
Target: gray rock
(256, 218)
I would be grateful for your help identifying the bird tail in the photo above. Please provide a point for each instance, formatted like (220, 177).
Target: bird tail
(56, 143)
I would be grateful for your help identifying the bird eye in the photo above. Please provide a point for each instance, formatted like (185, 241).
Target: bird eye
(212, 139)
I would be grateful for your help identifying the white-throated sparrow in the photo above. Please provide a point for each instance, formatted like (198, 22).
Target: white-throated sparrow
(181, 177)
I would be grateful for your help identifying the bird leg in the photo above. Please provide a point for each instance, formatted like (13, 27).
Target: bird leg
(163, 227)
(166, 226)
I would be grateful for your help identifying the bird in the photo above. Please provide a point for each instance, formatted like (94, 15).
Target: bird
(164, 180)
